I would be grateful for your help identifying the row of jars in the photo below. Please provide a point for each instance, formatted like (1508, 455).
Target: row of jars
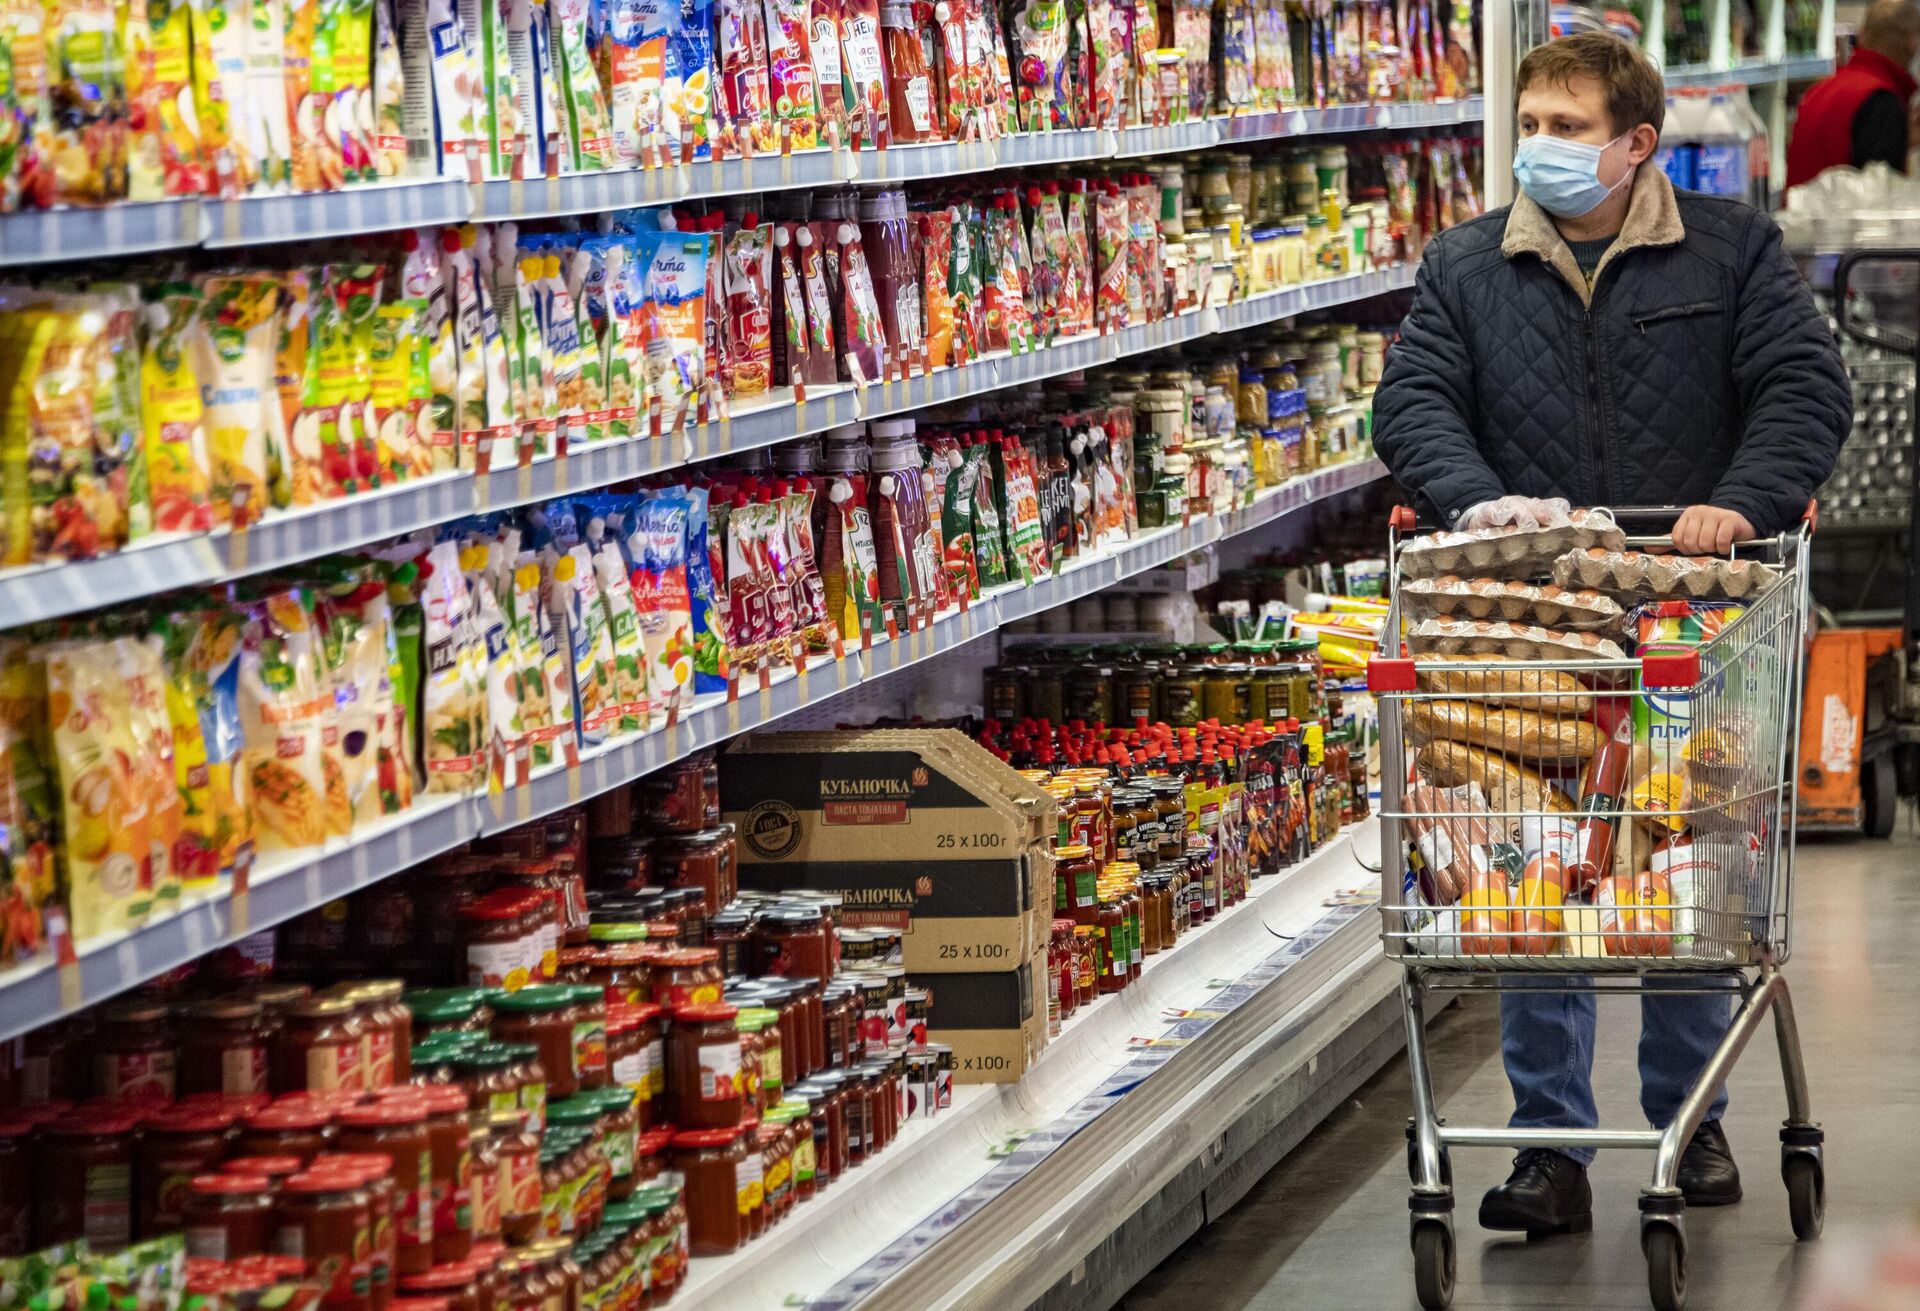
(1229, 683)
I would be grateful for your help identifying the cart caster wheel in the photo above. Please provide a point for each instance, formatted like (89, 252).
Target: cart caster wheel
(1433, 1263)
(1666, 1249)
(1806, 1179)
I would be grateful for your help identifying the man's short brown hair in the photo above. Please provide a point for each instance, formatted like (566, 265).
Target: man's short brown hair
(1635, 93)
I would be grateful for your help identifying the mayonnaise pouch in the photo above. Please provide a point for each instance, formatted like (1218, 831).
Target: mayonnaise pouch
(661, 595)
(676, 333)
(634, 48)
(172, 417)
(687, 84)
(589, 134)
(389, 96)
(630, 689)
(544, 712)
(164, 157)
(596, 705)
(233, 354)
(564, 350)
(506, 748)
(497, 113)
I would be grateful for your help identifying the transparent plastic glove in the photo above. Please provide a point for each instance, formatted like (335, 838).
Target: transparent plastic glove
(1515, 512)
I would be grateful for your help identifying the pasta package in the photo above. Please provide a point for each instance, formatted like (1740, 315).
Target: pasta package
(1521, 732)
(1520, 685)
(1546, 604)
(1510, 789)
(1518, 641)
(1509, 552)
(282, 701)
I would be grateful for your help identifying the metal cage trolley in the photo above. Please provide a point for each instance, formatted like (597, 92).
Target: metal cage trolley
(1599, 825)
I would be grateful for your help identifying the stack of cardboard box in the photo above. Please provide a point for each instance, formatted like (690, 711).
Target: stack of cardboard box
(923, 831)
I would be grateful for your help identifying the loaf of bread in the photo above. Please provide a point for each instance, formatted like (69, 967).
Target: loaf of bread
(1523, 687)
(1528, 735)
(1511, 790)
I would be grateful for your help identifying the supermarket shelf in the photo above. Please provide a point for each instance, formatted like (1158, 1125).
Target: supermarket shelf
(33, 593)
(912, 1229)
(1749, 72)
(283, 885)
(132, 229)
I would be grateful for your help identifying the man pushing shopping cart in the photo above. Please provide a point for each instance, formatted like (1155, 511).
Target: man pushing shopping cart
(1583, 761)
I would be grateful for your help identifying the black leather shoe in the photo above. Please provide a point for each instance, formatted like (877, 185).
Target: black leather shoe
(1708, 1175)
(1547, 1193)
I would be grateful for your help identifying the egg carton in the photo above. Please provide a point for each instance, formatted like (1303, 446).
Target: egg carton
(1507, 552)
(1547, 604)
(1494, 637)
(1641, 574)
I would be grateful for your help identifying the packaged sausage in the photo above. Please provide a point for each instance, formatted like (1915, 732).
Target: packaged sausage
(1454, 840)
(1546, 604)
(1485, 914)
(1511, 790)
(1537, 917)
(1509, 552)
(1515, 641)
(1527, 734)
(1640, 574)
(1602, 797)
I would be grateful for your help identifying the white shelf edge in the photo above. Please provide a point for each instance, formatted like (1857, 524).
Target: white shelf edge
(285, 885)
(1749, 72)
(37, 592)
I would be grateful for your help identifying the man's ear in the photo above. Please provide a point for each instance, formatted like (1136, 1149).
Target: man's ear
(1641, 143)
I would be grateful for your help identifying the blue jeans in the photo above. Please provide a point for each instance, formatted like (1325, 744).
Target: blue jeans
(1546, 1039)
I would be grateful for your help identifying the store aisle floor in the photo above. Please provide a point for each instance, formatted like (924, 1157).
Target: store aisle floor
(1327, 1229)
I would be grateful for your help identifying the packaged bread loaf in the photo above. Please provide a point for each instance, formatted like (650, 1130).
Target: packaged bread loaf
(1518, 641)
(1510, 789)
(1546, 604)
(1641, 574)
(1527, 734)
(1527, 687)
(1508, 552)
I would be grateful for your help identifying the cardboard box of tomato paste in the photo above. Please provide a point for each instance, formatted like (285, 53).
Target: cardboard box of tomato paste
(918, 830)
(996, 1022)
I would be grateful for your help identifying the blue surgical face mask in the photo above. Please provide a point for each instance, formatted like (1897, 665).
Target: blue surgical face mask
(1563, 177)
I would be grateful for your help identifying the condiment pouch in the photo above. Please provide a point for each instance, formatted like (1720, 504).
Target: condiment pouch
(454, 692)
(828, 77)
(749, 309)
(796, 102)
(676, 319)
(596, 706)
(281, 702)
(743, 63)
(852, 576)
(629, 668)
(662, 594)
(687, 90)
(706, 586)
(864, 73)
(866, 344)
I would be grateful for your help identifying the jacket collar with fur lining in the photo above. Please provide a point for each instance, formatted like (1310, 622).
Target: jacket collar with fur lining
(1653, 219)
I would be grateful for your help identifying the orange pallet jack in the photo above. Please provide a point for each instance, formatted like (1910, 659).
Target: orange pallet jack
(1859, 750)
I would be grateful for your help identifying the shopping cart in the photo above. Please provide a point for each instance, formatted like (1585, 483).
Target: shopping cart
(1481, 761)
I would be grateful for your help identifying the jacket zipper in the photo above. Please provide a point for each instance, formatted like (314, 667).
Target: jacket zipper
(1666, 312)
(1602, 447)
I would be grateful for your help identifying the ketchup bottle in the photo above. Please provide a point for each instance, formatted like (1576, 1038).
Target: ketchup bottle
(1600, 792)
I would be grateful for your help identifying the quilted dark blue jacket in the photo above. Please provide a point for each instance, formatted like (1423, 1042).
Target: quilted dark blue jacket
(1697, 371)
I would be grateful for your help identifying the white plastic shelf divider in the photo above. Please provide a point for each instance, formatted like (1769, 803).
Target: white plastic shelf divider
(48, 236)
(1749, 72)
(33, 593)
(283, 885)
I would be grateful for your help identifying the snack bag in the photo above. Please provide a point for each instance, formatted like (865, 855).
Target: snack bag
(281, 702)
(173, 427)
(796, 102)
(86, 138)
(453, 696)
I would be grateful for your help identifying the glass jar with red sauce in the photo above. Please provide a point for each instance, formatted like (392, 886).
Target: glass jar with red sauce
(794, 939)
(703, 1067)
(519, 1153)
(484, 1177)
(271, 1168)
(799, 1112)
(83, 1165)
(703, 860)
(730, 932)
(387, 1050)
(503, 939)
(133, 1052)
(293, 1126)
(541, 1016)
(587, 1018)
(457, 1285)
(396, 1128)
(175, 1143)
(682, 798)
(689, 976)
(713, 1165)
(620, 1131)
(451, 1167)
(531, 1075)
(618, 962)
(228, 1216)
(222, 1047)
(325, 1218)
(320, 1047)
(487, 1072)
(774, 1140)
(374, 1175)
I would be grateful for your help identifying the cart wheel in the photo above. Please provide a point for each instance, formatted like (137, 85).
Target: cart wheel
(1433, 1263)
(1806, 1179)
(1666, 1250)
(1879, 797)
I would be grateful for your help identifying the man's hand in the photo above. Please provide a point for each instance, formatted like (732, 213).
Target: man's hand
(1709, 530)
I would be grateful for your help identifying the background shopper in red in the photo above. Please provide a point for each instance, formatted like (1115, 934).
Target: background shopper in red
(1859, 115)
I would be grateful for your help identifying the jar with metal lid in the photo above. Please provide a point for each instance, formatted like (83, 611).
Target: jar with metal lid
(82, 1162)
(542, 1016)
(372, 1175)
(687, 977)
(642, 1064)
(227, 1216)
(222, 1047)
(1076, 867)
(769, 1078)
(451, 1163)
(617, 963)
(387, 1037)
(320, 1047)
(133, 1052)
(487, 1072)
(684, 797)
(719, 1201)
(397, 1130)
(484, 1178)
(774, 1139)
(703, 1067)
(1086, 959)
(519, 1155)
(531, 1074)
(703, 860)
(326, 1219)
(174, 1144)
(562, 1175)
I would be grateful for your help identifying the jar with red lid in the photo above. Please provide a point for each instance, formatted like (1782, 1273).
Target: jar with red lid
(713, 1165)
(320, 1047)
(273, 1169)
(519, 1155)
(325, 1218)
(457, 1286)
(228, 1215)
(688, 976)
(541, 1016)
(703, 860)
(396, 1129)
(293, 1126)
(133, 1053)
(175, 1144)
(636, 1056)
(53, 1064)
(16, 1175)
(421, 1304)
(502, 939)
(682, 798)
(374, 1175)
(793, 939)
(618, 962)
(83, 1173)
(222, 1047)
(703, 1067)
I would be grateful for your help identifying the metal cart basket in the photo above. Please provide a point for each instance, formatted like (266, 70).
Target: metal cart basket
(1503, 781)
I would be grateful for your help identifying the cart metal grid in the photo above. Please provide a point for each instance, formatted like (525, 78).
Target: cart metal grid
(1675, 860)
